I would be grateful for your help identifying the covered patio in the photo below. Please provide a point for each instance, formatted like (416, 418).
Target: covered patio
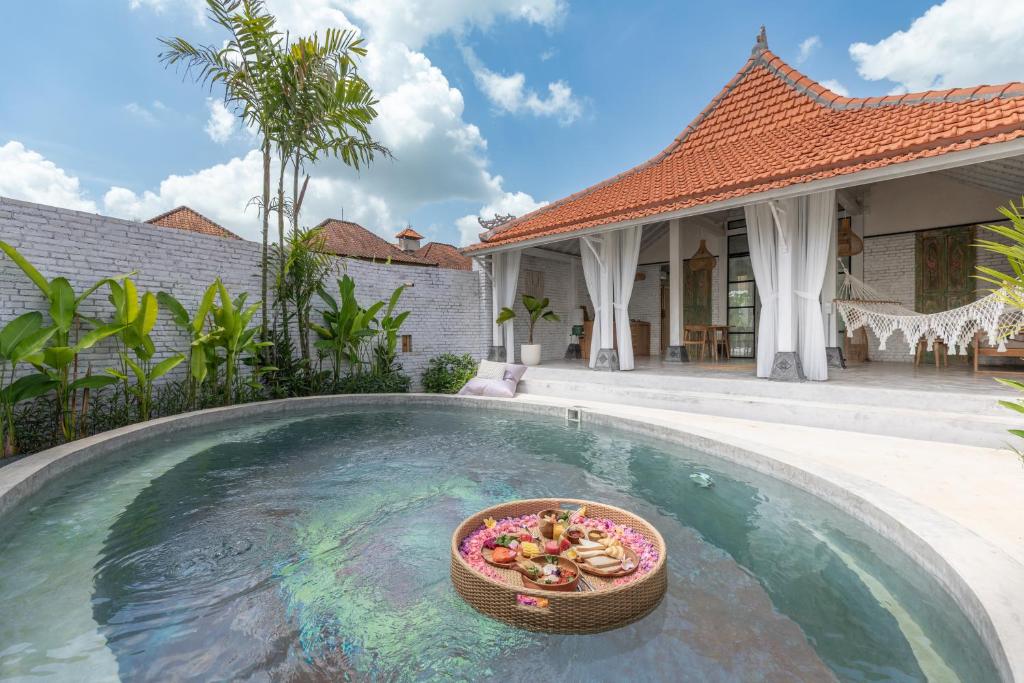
(732, 243)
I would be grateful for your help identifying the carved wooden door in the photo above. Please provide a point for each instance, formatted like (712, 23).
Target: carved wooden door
(696, 296)
(944, 266)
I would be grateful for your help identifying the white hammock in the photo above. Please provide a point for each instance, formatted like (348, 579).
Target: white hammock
(861, 305)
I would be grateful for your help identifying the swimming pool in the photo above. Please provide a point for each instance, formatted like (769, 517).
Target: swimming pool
(316, 545)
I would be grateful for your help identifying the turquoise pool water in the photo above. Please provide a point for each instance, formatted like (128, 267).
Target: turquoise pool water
(316, 548)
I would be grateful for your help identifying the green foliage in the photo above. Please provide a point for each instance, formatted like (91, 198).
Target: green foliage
(1008, 286)
(447, 373)
(306, 269)
(21, 340)
(537, 308)
(392, 382)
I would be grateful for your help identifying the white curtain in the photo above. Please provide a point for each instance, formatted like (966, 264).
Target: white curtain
(814, 237)
(624, 274)
(590, 249)
(761, 238)
(506, 281)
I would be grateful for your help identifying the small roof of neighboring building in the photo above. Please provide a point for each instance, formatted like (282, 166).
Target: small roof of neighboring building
(409, 234)
(345, 238)
(445, 256)
(772, 127)
(185, 218)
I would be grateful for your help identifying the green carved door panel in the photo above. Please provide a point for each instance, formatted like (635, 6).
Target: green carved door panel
(696, 296)
(944, 266)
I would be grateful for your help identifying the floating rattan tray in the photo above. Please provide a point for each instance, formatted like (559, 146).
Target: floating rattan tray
(610, 605)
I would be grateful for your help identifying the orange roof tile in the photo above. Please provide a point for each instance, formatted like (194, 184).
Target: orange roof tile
(771, 127)
(346, 238)
(445, 256)
(184, 218)
(410, 234)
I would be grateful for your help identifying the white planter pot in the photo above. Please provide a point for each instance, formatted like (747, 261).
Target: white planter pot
(530, 354)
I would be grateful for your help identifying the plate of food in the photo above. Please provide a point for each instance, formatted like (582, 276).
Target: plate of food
(549, 572)
(607, 557)
(505, 549)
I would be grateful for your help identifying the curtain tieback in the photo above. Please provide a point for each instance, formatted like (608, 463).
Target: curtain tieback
(806, 295)
(619, 307)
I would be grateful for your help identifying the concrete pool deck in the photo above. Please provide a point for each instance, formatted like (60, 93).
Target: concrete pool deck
(953, 509)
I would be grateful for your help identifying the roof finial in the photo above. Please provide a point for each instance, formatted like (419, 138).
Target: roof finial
(762, 42)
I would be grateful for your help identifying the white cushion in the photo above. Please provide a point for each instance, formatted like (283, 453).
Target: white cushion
(490, 369)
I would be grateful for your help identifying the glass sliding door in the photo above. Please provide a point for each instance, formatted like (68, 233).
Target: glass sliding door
(742, 303)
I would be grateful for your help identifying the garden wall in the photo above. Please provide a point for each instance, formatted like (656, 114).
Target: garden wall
(449, 310)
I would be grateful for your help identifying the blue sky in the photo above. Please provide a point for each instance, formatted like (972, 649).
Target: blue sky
(488, 106)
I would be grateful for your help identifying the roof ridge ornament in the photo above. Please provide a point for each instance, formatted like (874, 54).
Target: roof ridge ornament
(761, 44)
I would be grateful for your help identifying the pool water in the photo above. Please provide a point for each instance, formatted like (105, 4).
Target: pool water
(316, 547)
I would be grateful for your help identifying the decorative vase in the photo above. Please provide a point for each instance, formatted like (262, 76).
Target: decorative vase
(530, 354)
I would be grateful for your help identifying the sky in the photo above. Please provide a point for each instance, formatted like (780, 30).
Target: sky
(489, 106)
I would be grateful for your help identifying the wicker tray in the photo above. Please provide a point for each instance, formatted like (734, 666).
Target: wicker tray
(611, 605)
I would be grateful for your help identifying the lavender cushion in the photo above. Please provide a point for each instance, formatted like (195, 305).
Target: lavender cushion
(495, 388)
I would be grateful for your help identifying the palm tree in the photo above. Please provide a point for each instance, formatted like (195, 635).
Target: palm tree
(246, 67)
(326, 108)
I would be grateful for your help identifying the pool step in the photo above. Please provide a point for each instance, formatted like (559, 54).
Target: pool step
(976, 421)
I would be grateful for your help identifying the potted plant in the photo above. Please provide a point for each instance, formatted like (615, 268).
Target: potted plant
(538, 310)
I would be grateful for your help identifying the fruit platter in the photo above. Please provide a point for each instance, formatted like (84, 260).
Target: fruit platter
(560, 566)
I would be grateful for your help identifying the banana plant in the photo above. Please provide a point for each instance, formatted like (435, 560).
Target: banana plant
(232, 333)
(203, 360)
(537, 308)
(60, 359)
(21, 340)
(138, 317)
(389, 325)
(346, 326)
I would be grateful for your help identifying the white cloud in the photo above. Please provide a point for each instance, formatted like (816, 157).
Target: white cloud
(807, 47)
(221, 124)
(510, 94)
(548, 54)
(28, 175)
(198, 7)
(439, 156)
(414, 22)
(836, 87)
(515, 203)
(142, 113)
(958, 43)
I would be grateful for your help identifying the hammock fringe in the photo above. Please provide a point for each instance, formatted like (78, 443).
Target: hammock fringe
(861, 305)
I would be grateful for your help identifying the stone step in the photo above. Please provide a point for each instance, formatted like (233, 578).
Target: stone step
(942, 400)
(986, 428)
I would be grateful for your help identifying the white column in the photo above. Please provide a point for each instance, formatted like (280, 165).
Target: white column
(498, 335)
(675, 283)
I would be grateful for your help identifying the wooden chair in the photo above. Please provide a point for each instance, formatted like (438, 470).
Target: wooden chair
(720, 342)
(695, 339)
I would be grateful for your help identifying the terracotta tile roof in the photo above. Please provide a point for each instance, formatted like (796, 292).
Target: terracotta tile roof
(772, 127)
(445, 256)
(409, 234)
(184, 218)
(346, 238)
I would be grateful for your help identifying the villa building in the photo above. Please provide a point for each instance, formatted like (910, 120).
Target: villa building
(739, 225)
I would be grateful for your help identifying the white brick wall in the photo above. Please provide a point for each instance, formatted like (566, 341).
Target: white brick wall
(448, 309)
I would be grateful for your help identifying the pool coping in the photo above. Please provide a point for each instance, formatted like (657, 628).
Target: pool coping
(983, 580)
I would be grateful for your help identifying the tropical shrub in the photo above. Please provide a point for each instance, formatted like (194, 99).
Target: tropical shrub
(537, 308)
(447, 373)
(393, 382)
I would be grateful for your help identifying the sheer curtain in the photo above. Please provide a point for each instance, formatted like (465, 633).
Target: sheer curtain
(624, 275)
(506, 280)
(814, 236)
(761, 238)
(590, 249)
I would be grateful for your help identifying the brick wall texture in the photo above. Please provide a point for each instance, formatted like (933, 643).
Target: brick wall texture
(449, 311)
